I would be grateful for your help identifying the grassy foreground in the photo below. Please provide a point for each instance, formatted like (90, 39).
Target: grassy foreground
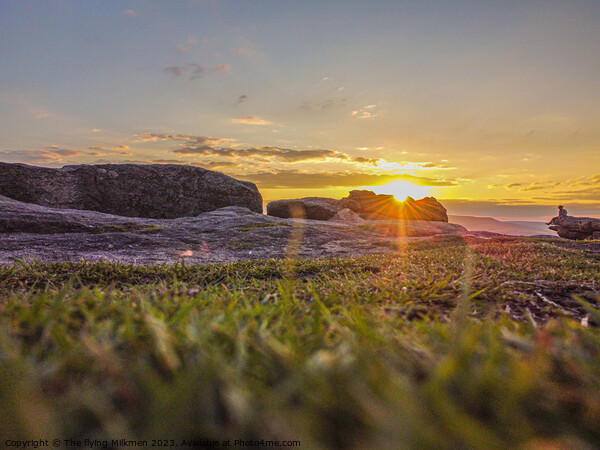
(444, 344)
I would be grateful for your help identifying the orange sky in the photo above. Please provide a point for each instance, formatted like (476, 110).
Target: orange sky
(492, 107)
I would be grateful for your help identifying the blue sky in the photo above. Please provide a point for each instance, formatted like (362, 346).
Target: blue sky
(494, 102)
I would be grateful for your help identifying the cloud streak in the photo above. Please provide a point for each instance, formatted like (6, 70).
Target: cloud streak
(175, 71)
(190, 139)
(252, 121)
(41, 156)
(281, 154)
(365, 112)
(187, 45)
(296, 179)
(207, 146)
(196, 71)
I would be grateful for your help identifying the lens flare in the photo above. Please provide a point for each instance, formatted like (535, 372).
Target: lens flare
(400, 190)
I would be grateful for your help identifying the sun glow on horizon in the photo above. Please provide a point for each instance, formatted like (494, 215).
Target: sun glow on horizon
(400, 190)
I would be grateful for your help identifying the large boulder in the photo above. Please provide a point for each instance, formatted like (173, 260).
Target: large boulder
(316, 208)
(132, 190)
(371, 206)
(576, 228)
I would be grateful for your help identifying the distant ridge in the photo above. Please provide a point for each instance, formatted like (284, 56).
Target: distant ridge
(513, 228)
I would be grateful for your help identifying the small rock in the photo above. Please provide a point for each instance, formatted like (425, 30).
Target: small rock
(348, 216)
(315, 208)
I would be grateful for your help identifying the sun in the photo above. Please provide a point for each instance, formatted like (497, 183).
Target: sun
(401, 189)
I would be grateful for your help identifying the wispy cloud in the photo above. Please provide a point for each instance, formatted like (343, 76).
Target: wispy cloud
(297, 179)
(191, 41)
(226, 148)
(584, 188)
(533, 186)
(241, 99)
(196, 70)
(368, 161)
(219, 164)
(47, 155)
(154, 137)
(327, 104)
(130, 13)
(277, 153)
(54, 154)
(513, 185)
(243, 51)
(102, 150)
(252, 121)
(365, 112)
(175, 71)
(107, 147)
(538, 186)
(38, 112)
(190, 139)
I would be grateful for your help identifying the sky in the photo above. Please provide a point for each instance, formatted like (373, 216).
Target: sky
(493, 107)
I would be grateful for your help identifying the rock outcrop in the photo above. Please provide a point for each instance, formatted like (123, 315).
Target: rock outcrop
(371, 206)
(576, 228)
(30, 231)
(132, 190)
(314, 208)
(366, 204)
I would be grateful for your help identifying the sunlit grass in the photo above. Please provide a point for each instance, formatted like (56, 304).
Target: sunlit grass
(416, 349)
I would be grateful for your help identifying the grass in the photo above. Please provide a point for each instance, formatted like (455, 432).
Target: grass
(444, 344)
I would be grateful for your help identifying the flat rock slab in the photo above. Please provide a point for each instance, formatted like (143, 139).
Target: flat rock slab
(33, 232)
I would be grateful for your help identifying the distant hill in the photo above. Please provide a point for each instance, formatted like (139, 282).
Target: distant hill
(514, 228)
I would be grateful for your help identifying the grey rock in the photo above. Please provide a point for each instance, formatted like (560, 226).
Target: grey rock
(366, 204)
(385, 207)
(49, 234)
(132, 190)
(348, 216)
(315, 208)
(19, 217)
(412, 228)
(575, 228)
